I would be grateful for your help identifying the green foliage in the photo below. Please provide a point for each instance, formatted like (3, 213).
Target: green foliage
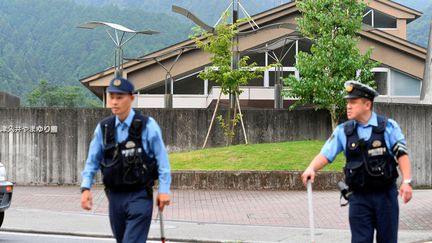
(47, 95)
(226, 128)
(220, 46)
(208, 10)
(334, 58)
(39, 40)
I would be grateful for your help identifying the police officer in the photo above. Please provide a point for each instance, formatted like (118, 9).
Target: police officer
(373, 146)
(129, 150)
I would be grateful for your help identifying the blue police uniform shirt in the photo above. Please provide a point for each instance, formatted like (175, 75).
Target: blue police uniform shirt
(152, 143)
(337, 141)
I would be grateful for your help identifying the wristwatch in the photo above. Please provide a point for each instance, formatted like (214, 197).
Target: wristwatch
(84, 189)
(407, 181)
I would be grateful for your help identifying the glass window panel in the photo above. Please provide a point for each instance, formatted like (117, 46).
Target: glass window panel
(382, 20)
(257, 82)
(404, 85)
(190, 85)
(258, 58)
(381, 82)
(272, 77)
(368, 18)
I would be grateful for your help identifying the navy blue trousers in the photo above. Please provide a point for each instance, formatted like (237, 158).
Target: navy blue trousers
(130, 215)
(374, 211)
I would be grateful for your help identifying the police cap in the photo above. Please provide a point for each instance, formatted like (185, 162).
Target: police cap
(120, 85)
(356, 89)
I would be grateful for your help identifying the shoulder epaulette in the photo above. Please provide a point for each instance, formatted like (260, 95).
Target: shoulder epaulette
(382, 123)
(108, 129)
(349, 127)
(138, 124)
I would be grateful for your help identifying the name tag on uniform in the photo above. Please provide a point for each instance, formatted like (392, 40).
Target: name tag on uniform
(377, 151)
(131, 152)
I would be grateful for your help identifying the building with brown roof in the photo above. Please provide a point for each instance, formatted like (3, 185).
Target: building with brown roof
(398, 78)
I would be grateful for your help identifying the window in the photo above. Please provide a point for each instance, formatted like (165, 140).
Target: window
(283, 74)
(381, 77)
(404, 84)
(378, 19)
(259, 82)
(390, 82)
(189, 85)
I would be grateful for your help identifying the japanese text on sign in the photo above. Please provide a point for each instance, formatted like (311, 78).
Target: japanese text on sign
(28, 129)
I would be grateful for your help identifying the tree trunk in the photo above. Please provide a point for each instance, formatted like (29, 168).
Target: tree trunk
(334, 117)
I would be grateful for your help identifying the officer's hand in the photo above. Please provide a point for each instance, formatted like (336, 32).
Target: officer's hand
(86, 200)
(405, 192)
(162, 200)
(309, 173)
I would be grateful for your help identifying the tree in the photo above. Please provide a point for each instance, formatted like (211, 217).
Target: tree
(220, 45)
(47, 95)
(334, 58)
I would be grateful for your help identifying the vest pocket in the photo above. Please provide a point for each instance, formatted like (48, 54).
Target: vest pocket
(135, 169)
(354, 174)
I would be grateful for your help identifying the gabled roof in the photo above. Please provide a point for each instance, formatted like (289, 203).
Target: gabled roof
(416, 14)
(273, 15)
(260, 18)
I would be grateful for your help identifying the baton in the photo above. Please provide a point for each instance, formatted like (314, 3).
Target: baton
(310, 206)
(162, 231)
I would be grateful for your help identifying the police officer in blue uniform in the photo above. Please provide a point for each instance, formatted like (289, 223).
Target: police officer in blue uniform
(128, 148)
(373, 146)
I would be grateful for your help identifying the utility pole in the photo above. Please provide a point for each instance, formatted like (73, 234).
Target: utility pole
(426, 87)
(235, 48)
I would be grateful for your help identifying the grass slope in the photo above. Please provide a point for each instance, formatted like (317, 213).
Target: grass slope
(256, 157)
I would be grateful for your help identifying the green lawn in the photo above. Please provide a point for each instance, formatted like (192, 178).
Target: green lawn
(257, 157)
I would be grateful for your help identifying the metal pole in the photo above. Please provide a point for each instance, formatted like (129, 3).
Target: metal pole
(425, 94)
(266, 72)
(162, 230)
(168, 95)
(311, 216)
(235, 47)
(278, 89)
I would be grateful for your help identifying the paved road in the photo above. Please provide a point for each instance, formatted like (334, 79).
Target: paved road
(212, 216)
(266, 208)
(12, 237)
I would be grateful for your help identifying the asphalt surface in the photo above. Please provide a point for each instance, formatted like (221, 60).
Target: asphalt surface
(12, 237)
(209, 216)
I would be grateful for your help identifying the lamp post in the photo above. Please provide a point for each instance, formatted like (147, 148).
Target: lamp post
(118, 37)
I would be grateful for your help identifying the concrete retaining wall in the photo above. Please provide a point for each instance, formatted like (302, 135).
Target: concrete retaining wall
(49, 146)
(416, 123)
(251, 180)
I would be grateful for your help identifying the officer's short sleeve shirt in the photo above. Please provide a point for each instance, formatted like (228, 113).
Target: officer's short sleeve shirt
(337, 141)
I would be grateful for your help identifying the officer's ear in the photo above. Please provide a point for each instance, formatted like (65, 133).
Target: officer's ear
(369, 104)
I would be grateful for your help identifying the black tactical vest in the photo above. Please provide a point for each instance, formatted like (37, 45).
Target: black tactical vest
(126, 166)
(369, 165)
